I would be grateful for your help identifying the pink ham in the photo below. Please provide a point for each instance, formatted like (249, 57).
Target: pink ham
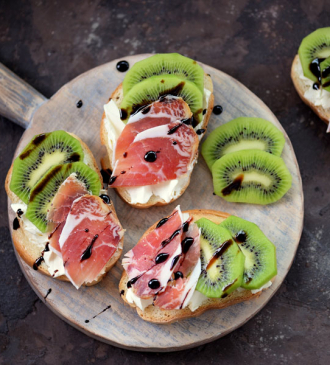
(70, 190)
(179, 291)
(142, 256)
(89, 238)
(158, 113)
(159, 154)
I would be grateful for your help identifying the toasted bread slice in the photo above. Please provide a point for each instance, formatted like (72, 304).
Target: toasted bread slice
(161, 316)
(301, 87)
(23, 240)
(117, 97)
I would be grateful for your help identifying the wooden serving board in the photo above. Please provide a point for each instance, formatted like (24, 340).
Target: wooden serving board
(120, 325)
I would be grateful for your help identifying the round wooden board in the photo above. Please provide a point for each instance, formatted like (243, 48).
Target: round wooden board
(120, 325)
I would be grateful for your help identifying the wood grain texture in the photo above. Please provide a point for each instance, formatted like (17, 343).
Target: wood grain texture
(18, 100)
(120, 325)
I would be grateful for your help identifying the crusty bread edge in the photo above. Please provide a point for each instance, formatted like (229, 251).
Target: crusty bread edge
(301, 88)
(117, 97)
(21, 241)
(160, 316)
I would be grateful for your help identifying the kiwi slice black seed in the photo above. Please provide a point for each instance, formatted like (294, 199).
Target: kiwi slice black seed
(45, 190)
(260, 254)
(152, 88)
(222, 261)
(165, 64)
(44, 151)
(242, 134)
(314, 49)
(251, 176)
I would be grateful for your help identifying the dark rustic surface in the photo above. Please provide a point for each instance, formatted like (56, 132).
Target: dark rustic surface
(49, 43)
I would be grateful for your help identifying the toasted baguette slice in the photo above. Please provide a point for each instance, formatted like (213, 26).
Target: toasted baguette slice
(29, 251)
(161, 316)
(302, 87)
(117, 97)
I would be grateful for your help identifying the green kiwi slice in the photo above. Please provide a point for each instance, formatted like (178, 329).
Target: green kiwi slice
(314, 49)
(222, 261)
(251, 176)
(165, 64)
(325, 73)
(154, 87)
(44, 151)
(260, 254)
(45, 190)
(242, 134)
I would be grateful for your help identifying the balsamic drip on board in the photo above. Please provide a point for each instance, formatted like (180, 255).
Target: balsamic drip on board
(48, 292)
(79, 104)
(105, 309)
(122, 66)
(217, 109)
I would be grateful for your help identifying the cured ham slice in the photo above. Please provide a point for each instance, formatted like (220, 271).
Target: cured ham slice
(70, 190)
(89, 238)
(141, 257)
(160, 112)
(179, 291)
(156, 155)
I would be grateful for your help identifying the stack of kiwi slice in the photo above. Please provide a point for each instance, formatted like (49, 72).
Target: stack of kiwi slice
(234, 254)
(42, 167)
(314, 55)
(163, 74)
(244, 157)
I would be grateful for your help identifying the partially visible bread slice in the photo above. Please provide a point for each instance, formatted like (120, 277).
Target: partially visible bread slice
(302, 87)
(161, 316)
(30, 251)
(117, 97)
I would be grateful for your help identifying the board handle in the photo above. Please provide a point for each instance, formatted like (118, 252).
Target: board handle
(18, 100)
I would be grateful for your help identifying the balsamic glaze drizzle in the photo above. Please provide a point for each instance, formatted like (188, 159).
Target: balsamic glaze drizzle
(48, 292)
(217, 109)
(88, 252)
(122, 66)
(79, 104)
(15, 224)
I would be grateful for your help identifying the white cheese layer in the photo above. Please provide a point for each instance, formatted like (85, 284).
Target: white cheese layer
(267, 285)
(318, 97)
(141, 194)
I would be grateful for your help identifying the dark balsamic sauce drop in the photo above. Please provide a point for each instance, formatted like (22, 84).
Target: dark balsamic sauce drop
(106, 174)
(174, 129)
(122, 66)
(15, 224)
(217, 110)
(187, 121)
(241, 237)
(79, 104)
(154, 284)
(200, 131)
(174, 261)
(204, 111)
(48, 292)
(316, 86)
(178, 275)
(161, 257)
(161, 222)
(125, 154)
(19, 213)
(150, 156)
(112, 180)
(105, 198)
(235, 185)
(38, 262)
(88, 252)
(186, 244)
(122, 292)
(132, 281)
(219, 252)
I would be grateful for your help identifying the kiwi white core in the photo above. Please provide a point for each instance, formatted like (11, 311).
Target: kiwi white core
(48, 160)
(255, 177)
(246, 145)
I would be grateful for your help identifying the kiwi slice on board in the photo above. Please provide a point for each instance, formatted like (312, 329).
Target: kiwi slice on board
(242, 134)
(152, 88)
(165, 64)
(260, 253)
(251, 176)
(314, 49)
(222, 261)
(45, 190)
(44, 151)
(325, 73)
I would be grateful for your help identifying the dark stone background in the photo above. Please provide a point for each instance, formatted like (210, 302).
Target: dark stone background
(48, 43)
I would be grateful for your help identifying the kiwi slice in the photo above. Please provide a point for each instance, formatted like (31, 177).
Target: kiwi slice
(222, 261)
(251, 176)
(45, 190)
(152, 88)
(242, 134)
(325, 73)
(44, 151)
(260, 253)
(165, 64)
(314, 49)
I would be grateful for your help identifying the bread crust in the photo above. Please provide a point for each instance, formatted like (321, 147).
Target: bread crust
(29, 251)
(117, 97)
(160, 316)
(301, 87)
